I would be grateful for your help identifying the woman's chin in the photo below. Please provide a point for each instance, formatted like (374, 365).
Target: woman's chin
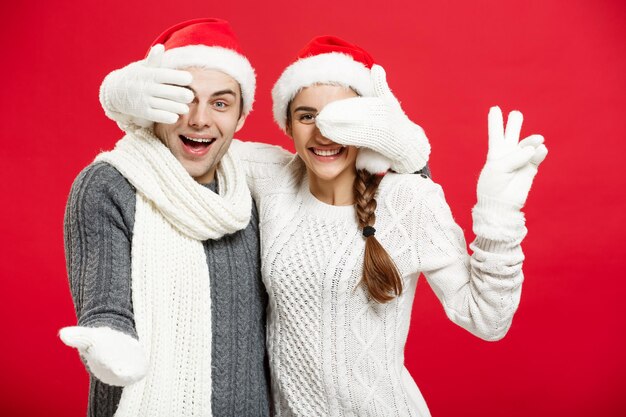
(327, 173)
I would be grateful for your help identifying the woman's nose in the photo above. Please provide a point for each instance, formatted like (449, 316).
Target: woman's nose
(321, 139)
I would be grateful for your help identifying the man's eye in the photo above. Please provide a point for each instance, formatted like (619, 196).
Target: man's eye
(220, 104)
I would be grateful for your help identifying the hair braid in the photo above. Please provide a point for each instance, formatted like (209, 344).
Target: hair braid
(380, 274)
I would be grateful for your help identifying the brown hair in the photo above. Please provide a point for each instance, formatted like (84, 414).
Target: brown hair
(380, 274)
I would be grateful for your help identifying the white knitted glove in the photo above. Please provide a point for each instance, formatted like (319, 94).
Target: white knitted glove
(113, 357)
(377, 123)
(511, 164)
(142, 92)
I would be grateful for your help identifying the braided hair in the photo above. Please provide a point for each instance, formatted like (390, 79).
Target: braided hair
(380, 274)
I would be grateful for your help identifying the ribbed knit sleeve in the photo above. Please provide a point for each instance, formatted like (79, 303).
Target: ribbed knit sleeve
(99, 221)
(480, 292)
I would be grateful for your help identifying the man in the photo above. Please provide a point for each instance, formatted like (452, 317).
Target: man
(162, 245)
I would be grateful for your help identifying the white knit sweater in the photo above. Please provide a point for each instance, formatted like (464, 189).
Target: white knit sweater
(333, 352)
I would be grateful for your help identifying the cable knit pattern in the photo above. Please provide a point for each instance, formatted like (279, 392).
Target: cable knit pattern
(239, 300)
(333, 352)
(99, 299)
(100, 214)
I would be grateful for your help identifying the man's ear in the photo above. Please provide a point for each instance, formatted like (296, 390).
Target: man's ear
(240, 122)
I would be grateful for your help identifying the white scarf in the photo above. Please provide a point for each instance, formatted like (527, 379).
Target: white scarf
(170, 278)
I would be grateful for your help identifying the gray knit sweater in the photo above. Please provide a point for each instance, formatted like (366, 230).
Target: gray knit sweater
(99, 223)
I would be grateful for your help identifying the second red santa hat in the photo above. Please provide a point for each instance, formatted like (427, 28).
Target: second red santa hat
(324, 60)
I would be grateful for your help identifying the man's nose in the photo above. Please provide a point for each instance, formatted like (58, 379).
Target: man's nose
(200, 115)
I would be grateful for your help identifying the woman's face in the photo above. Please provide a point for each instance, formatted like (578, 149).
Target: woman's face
(324, 158)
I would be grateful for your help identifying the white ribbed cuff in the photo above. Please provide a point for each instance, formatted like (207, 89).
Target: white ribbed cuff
(498, 220)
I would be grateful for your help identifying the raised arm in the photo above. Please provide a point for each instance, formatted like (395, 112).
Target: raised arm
(263, 164)
(142, 93)
(379, 126)
(481, 293)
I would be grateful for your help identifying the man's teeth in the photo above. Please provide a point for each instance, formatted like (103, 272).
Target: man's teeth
(201, 140)
(326, 152)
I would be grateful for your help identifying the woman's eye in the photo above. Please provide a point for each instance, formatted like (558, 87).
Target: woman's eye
(307, 118)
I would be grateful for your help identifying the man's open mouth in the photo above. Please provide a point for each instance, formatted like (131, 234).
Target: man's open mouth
(196, 145)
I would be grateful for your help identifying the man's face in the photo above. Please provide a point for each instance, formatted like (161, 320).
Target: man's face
(200, 138)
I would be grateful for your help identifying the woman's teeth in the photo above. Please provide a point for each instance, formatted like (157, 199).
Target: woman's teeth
(326, 152)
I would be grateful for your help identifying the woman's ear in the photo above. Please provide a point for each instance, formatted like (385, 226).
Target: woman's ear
(288, 129)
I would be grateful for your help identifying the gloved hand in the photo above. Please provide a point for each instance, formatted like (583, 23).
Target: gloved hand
(113, 357)
(142, 92)
(379, 124)
(511, 164)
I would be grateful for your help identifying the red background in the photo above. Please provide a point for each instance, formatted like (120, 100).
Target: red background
(563, 63)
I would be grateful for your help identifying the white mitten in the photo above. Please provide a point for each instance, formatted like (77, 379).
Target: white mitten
(511, 164)
(377, 123)
(142, 92)
(113, 357)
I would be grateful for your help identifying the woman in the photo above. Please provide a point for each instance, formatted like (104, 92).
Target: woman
(342, 248)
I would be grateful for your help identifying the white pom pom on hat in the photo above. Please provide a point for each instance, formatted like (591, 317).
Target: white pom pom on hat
(372, 161)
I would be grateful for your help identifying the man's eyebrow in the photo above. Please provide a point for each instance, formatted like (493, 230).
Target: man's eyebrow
(216, 94)
(223, 92)
(305, 108)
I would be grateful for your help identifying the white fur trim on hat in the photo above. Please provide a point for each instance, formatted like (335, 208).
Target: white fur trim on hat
(217, 58)
(332, 67)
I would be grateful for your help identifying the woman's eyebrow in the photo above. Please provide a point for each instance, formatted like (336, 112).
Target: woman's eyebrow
(305, 108)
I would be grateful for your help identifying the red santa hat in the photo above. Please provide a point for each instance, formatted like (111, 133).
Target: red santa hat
(329, 60)
(209, 43)
(324, 60)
